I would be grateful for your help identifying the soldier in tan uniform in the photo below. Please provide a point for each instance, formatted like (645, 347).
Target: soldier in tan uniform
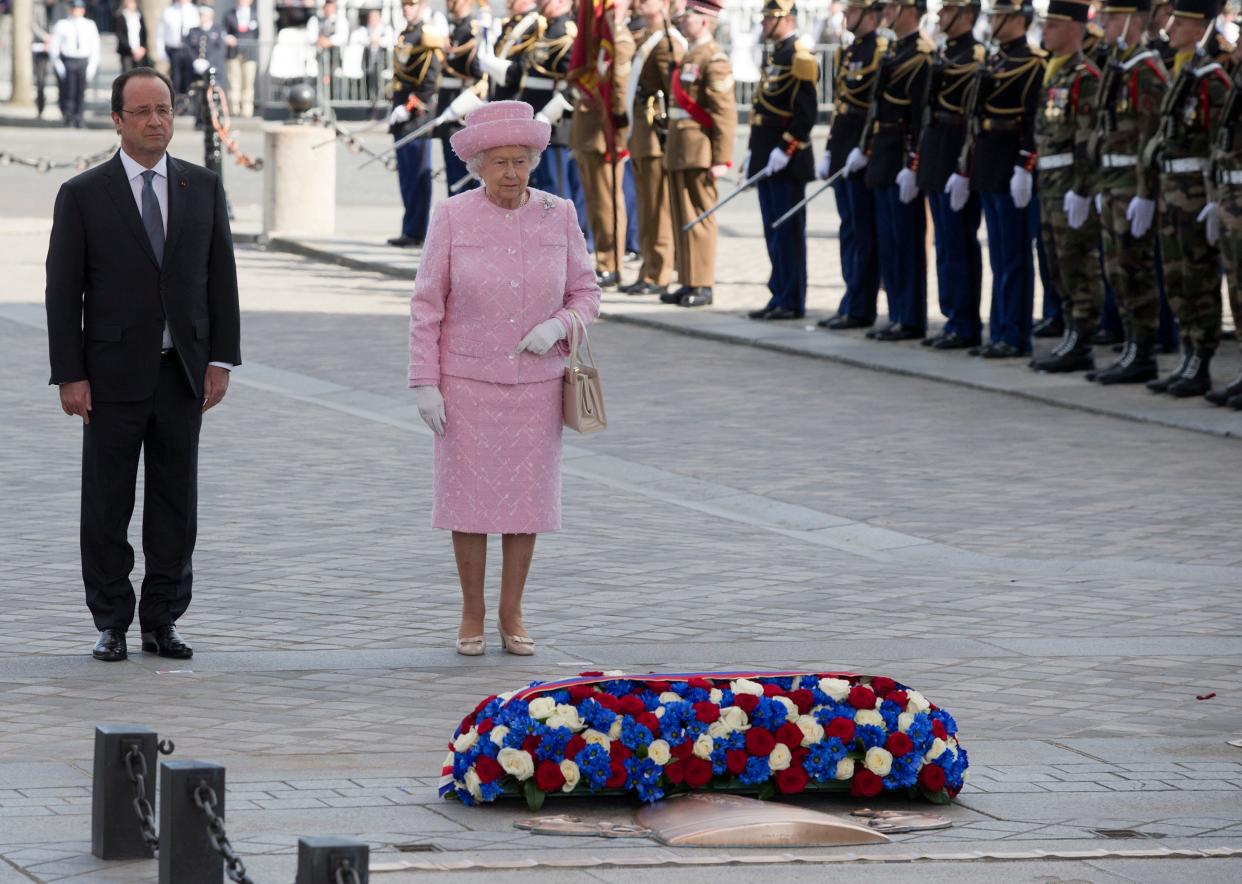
(647, 95)
(703, 121)
(597, 140)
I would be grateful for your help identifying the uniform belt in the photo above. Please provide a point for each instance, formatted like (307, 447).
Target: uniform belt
(1119, 160)
(849, 110)
(1185, 164)
(1232, 176)
(678, 113)
(451, 83)
(993, 125)
(950, 118)
(539, 83)
(1056, 161)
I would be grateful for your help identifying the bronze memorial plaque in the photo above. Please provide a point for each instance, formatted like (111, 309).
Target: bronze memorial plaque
(722, 820)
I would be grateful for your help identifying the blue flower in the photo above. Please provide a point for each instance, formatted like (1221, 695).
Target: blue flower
(465, 796)
(487, 747)
(513, 711)
(904, 773)
(946, 719)
(645, 777)
(696, 695)
(596, 716)
(735, 740)
(460, 765)
(769, 714)
(871, 735)
(821, 761)
(650, 700)
(676, 716)
(633, 734)
(552, 746)
(757, 771)
(889, 712)
(920, 733)
(595, 765)
(561, 697)
(726, 698)
(718, 760)
(491, 791)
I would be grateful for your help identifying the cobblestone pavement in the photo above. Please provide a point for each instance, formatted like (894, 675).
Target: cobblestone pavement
(1064, 582)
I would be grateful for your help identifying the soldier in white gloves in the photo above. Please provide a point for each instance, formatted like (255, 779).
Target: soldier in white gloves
(74, 51)
(543, 86)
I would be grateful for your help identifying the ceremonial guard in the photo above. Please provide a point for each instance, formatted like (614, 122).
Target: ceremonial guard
(462, 71)
(1226, 193)
(1070, 229)
(785, 106)
(660, 46)
(543, 86)
(503, 60)
(1157, 37)
(1181, 151)
(416, 77)
(857, 75)
(1132, 88)
(959, 259)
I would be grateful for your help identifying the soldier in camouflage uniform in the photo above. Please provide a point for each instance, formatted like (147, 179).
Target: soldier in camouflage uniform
(1132, 88)
(1189, 117)
(1226, 194)
(1069, 228)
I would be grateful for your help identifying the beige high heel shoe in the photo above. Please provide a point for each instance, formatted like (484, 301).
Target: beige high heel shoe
(473, 646)
(518, 645)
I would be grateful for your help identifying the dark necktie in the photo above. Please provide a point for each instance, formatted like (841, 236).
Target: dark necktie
(151, 218)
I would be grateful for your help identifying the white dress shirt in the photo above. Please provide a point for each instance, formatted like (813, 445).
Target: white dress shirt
(133, 27)
(75, 37)
(177, 21)
(133, 171)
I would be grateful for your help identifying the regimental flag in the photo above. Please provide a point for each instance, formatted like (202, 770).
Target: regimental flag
(590, 60)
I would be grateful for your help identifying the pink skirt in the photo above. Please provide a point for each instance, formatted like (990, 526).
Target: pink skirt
(497, 469)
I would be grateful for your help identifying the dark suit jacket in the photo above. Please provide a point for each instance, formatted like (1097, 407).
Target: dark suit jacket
(107, 298)
(121, 29)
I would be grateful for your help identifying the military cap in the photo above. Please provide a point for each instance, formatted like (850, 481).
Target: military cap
(1196, 9)
(965, 4)
(1124, 6)
(1068, 10)
(710, 8)
(779, 8)
(1012, 7)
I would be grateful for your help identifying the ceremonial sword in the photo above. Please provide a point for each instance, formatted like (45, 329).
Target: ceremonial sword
(827, 184)
(403, 141)
(745, 185)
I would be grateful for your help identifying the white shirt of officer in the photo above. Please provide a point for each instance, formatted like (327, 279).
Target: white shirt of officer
(177, 21)
(75, 37)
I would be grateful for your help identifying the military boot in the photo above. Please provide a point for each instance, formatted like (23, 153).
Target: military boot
(1196, 379)
(1061, 346)
(1073, 354)
(1162, 385)
(1136, 365)
(1223, 395)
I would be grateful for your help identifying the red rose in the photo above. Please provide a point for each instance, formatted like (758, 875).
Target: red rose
(466, 723)
(760, 741)
(791, 780)
(800, 754)
(608, 701)
(487, 769)
(675, 771)
(735, 761)
(531, 743)
(789, 734)
(683, 750)
(841, 728)
(706, 712)
(630, 705)
(650, 722)
(482, 703)
(900, 698)
(772, 690)
(548, 776)
(659, 687)
(865, 784)
(952, 791)
(617, 751)
(745, 702)
(590, 674)
(617, 778)
(882, 685)
(862, 697)
(575, 745)
(701, 683)
(899, 744)
(485, 726)
(931, 777)
(579, 692)
(803, 699)
(938, 729)
(699, 772)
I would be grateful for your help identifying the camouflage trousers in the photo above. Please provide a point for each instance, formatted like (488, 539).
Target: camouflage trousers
(1073, 261)
(1130, 265)
(1231, 250)
(1191, 265)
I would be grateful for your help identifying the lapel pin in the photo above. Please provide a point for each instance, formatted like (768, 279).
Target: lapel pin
(183, 183)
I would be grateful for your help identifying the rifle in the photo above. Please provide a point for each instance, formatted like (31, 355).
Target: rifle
(1174, 101)
(932, 89)
(873, 99)
(1230, 113)
(975, 96)
(1106, 122)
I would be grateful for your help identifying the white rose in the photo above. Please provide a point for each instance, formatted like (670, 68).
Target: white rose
(570, 715)
(498, 734)
(659, 752)
(780, 757)
(879, 761)
(937, 749)
(472, 783)
(669, 697)
(596, 738)
(837, 688)
(719, 728)
(735, 717)
(466, 740)
(868, 716)
(541, 707)
(704, 746)
(812, 730)
(715, 695)
(791, 708)
(904, 720)
(916, 702)
(658, 712)
(569, 770)
(746, 686)
(845, 768)
(614, 672)
(614, 732)
(517, 763)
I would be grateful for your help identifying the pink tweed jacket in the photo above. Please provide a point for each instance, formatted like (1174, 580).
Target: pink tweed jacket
(488, 276)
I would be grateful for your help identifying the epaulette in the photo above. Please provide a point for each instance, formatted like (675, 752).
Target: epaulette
(925, 45)
(805, 66)
(1039, 52)
(881, 44)
(981, 52)
(571, 28)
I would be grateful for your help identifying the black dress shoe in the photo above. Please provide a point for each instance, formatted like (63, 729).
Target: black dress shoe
(783, 313)
(954, 341)
(1052, 327)
(675, 296)
(699, 296)
(876, 332)
(844, 323)
(111, 646)
(406, 242)
(1235, 402)
(978, 349)
(165, 641)
(606, 280)
(899, 332)
(931, 342)
(761, 313)
(1001, 350)
(643, 288)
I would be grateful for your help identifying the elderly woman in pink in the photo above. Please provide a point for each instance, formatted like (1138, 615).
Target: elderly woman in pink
(502, 269)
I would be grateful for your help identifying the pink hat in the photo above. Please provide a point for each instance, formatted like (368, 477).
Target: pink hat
(500, 124)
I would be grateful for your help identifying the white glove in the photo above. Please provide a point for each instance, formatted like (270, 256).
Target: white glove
(539, 340)
(1077, 208)
(497, 68)
(907, 185)
(1020, 187)
(1099, 204)
(824, 164)
(555, 109)
(855, 162)
(463, 104)
(958, 189)
(430, 407)
(400, 114)
(1140, 213)
(777, 161)
(1210, 219)
(200, 66)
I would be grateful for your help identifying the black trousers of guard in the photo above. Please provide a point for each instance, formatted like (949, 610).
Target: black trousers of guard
(165, 429)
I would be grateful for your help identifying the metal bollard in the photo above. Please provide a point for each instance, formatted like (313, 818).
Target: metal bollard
(186, 854)
(115, 829)
(332, 860)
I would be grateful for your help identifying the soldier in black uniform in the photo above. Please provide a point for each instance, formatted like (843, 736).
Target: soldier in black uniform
(502, 60)
(543, 86)
(784, 112)
(462, 71)
(959, 259)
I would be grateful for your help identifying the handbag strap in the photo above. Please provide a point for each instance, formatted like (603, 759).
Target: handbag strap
(576, 322)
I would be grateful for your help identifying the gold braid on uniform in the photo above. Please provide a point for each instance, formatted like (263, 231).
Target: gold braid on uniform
(858, 97)
(545, 57)
(1003, 77)
(529, 39)
(960, 75)
(908, 70)
(413, 62)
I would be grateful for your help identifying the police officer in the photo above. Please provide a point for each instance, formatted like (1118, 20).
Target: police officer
(416, 77)
(1070, 230)
(543, 85)
(462, 71)
(959, 259)
(1226, 195)
(660, 46)
(702, 125)
(785, 106)
(1132, 88)
(1189, 118)
(857, 69)
(502, 59)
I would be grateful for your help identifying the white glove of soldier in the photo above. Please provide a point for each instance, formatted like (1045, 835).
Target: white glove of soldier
(1099, 204)
(541, 338)
(824, 164)
(400, 114)
(1020, 187)
(1210, 219)
(907, 185)
(430, 407)
(777, 160)
(1077, 208)
(555, 109)
(958, 189)
(463, 104)
(1140, 213)
(855, 162)
(497, 68)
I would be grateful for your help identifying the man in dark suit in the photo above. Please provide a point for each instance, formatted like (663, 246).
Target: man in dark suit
(143, 326)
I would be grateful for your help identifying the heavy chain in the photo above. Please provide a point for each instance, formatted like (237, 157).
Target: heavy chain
(205, 798)
(346, 873)
(43, 165)
(136, 768)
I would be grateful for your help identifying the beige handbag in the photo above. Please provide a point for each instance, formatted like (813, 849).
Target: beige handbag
(582, 398)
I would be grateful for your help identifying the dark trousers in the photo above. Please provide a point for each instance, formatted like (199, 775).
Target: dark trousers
(1110, 313)
(578, 196)
(41, 63)
(1010, 234)
(786, 244)
(903, 256)
(959, 263)
(180, 68)
(1052, 298)
(552, 173)
(74, 87)
(414, 178)
(630, 190)
(860, 263)
(165, 430)
(455, 170)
